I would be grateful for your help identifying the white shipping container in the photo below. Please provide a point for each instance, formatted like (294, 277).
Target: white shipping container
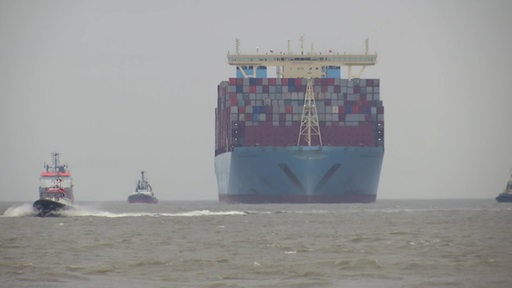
(335, 109)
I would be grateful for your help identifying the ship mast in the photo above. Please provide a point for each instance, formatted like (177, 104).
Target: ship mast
(55, 161)
(309, 122)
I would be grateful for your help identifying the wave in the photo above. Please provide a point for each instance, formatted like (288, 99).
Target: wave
(80, 211)
(195, 213)
(22, 210)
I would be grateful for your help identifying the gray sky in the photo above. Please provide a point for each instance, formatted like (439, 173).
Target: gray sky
(120, 86)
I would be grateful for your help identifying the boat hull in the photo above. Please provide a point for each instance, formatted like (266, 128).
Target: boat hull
(504, 197)
(299, 174)
(48, 207)
(142, 198)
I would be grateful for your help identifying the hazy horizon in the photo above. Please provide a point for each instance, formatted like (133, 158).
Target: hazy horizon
(122, 86)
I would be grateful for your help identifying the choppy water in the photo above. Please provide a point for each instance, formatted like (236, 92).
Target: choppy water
(429, 243)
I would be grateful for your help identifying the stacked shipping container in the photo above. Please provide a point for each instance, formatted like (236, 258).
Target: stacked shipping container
(268, 111)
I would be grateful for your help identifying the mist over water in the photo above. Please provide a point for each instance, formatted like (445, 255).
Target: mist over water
(434, 243)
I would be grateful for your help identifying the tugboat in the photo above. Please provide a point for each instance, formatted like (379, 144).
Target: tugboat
(143, 192)
(506, 196)
(55, 189)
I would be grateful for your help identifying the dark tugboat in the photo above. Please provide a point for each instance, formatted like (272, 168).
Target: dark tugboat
(55, 189)
(143, 192)
(506, 196)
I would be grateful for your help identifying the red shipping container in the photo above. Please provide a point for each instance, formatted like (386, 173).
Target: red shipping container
(232, 100)
(271, 81)
(252, 89)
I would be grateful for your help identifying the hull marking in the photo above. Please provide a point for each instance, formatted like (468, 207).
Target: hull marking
(327, 176)
(292, 177)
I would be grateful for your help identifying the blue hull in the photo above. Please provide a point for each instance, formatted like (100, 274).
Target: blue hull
(299, 174)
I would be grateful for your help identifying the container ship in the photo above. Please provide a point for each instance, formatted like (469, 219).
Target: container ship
(55, 189)
(143, 192)
(302, 135)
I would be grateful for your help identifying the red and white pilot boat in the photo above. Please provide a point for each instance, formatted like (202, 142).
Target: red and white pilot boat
(55, 189)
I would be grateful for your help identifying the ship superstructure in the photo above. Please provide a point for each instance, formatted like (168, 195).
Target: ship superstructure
(305, 135)
(143, 192)
(506, 195)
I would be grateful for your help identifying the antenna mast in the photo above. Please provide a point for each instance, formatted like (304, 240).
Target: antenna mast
(309, 123)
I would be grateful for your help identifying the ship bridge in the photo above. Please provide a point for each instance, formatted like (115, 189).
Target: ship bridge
(300, 65)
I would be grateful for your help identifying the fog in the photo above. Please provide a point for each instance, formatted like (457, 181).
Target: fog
(122, 86)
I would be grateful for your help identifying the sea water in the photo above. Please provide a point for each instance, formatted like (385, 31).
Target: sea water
(390, 243)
